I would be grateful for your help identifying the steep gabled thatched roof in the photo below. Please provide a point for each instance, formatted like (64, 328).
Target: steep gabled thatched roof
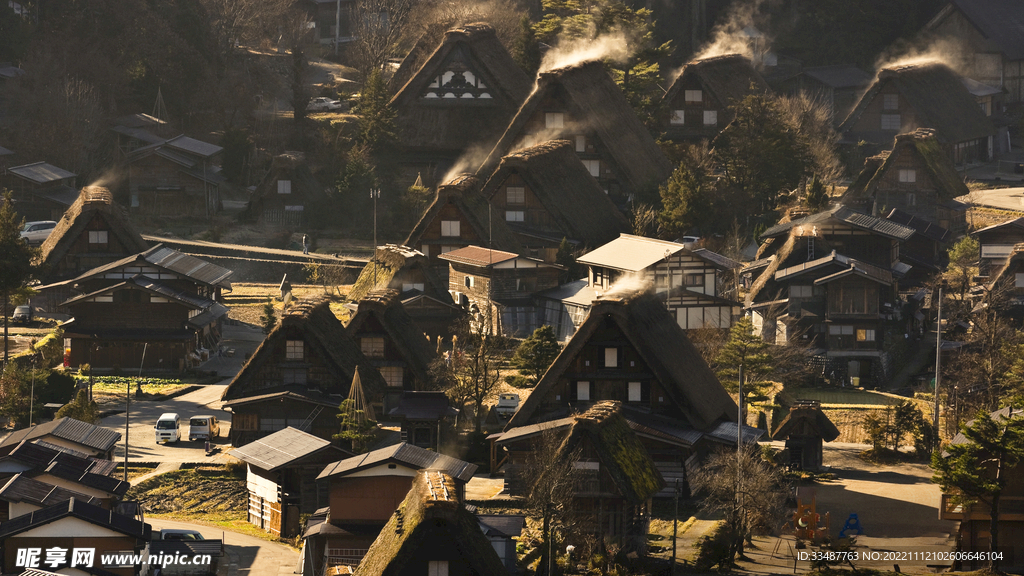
(936, 95)
(389, 260)
(590, 95)
(921, 142)
(92, 202)
(619, 449)
(290, 166)
(463, 192)
(386, 310)
(313, 321)
(431, 524)
(674, 361)
(999, 21)
(806, 417)
(729, 78)
(1014, 264)
(427, 119)
(842, 215)
(576, 202)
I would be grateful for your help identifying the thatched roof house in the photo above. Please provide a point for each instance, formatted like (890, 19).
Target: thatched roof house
(289, 194)
(302, 370)
(635, 332)
(94, 231)
(545, 194)
(583, 103)
(927, 95)
(460, 216)
(391, 341)
(804, 429)
(431, 532)
(700, 98)
(399, 268)
(915, 176)
(464, 94)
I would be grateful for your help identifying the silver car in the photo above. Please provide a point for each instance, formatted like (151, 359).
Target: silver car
(37, 232)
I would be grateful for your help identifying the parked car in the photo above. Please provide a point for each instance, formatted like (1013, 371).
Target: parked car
(690, 242)
(22, 315)
(168, 428)
(37, 232)
(507, 404)
(322, 104)
(203, 427)
(177, 534)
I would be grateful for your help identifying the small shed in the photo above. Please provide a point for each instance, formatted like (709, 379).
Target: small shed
(804, 429)
(422, 416)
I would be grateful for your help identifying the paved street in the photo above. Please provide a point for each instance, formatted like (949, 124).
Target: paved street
(247, 555)
(1002, 198)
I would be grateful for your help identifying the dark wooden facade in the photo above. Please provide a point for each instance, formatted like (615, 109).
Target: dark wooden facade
(172, 185)
(997, 243)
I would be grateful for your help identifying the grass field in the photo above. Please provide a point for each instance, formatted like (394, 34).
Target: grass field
(246, 300)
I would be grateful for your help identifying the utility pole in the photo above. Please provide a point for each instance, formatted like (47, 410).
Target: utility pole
(375, 194)
(32, 395)
(675, 528)
(938, 366)
(739, 450)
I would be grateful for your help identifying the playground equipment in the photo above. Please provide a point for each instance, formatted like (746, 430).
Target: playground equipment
(807, 523)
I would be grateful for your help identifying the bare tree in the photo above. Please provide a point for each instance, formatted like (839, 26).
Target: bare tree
(378, 25)
(747, 489)
(813, 121)
(253, 22)
(470, 372)
(553, 480)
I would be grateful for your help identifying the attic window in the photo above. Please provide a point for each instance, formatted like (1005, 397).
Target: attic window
(437, 568)
(1018, 280)
(890, 101)
(583, 391)
(458, 82)
(293, 350)
(908, 175)
(693, 96)
(711, 117)
(554, 120)
(581, 143)
(450, 228)
(594, 167)
(392, 375)
(678, 117)
(293, 376)
(97, 237)
(515, 195)
(514, 215)
(284, 186)
(372, 347)
(634, 391)
(611, 357)
(890, 122)
(911, 199)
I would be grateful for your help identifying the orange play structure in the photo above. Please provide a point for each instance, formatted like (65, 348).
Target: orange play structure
(807, 523)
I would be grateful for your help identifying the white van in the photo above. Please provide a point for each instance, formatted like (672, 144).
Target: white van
(168, 428)
(203, 427)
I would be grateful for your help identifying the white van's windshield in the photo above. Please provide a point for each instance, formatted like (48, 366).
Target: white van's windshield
(165, 425)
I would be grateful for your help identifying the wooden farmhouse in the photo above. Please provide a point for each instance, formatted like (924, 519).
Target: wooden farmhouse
(70, 525)
(281, 478)
(94, 231)
(422, 292)
(631, 350)
(431, 531)
(694, 281)
(288, 194)
(496, 287)
(299, 376)
(364, 491)
(392, 342)
(925, 251)
(997, 243)
(974, 519)
(618, 477)
(462, 96)
(89, 439)
(832, 282)
(175, 178)
(545, 196)
(988, 39)
(159, 306)
(804, 429)
(929, 95)
(700, 99)
(917, 177)
(838, 87)
(40, 190)
(582, 104)
(425, 418)
(458, 217)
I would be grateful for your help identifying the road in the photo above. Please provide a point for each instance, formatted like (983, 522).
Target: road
(1001, 198)
(247, 555)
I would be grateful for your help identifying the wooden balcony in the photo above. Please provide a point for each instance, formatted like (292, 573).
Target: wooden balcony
(1011, 509)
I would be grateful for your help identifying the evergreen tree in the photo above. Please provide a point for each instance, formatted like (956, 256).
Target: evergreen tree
(81, 409)
(746, 349)
(979, 470)
(268, 319)
(526, 49)
(15, 260)
(376, 117)
(566, 257)
(356, 429)
(237, 144)
(687, 196)
(536, 353)
(817, 196)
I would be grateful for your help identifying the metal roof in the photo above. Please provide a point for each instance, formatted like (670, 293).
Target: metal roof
(501, 524)
(38, 454)
(193, 146)
(107, 484)
(843, 214)
(630, 253)
(717, 259)
(5, 151)
(477, 256)
(77, 509)
(412, 456)
(521, 431)
(41, 172)
(579, 293)
(726, 432)
(138, 121)
(190, 266)
(68, 429)
(426, 405)
(280, 448)
(303, 395)
(186, 298)
(21, 488)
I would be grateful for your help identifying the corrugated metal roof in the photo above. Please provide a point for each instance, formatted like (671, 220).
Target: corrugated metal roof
(5, 151)
(717, 259)
(477, 256)
(77, 509)
(193, 146)
(280, 448)
(69, 429)
(107, 484)
(579, 293)
(21, 488)
(62, 195)
(726, 432)
(501, 524)
(41, 172)
(412, 456)
(190, 266)
(630, 253)
(138, 134)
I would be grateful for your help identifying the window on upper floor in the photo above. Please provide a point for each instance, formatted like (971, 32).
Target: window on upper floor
(392, 375)
(515, 195)
(372, 346)
(594, 167)
(450, 228)
(891, 122)
(514, 216)
(908, 175)
(293, 376)
(912, 199)
(554, 120)
(693, 96)
(800, 291)
(890, 101)
(581, 143)
(294, 350)
(711, 117)
(470, 281)
(865, 335)
(1018, 280)
(678, 118)
(437, 568)
(284, 186)
(98, 237)
(611, 357)
(583, 391)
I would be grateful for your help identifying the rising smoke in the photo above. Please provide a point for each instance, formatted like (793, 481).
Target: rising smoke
(627, 285)
(740, 32)
(612, 46)
(947, 51)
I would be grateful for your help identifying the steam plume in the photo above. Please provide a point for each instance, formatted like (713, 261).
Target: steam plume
(611, 46)
(736, 34)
